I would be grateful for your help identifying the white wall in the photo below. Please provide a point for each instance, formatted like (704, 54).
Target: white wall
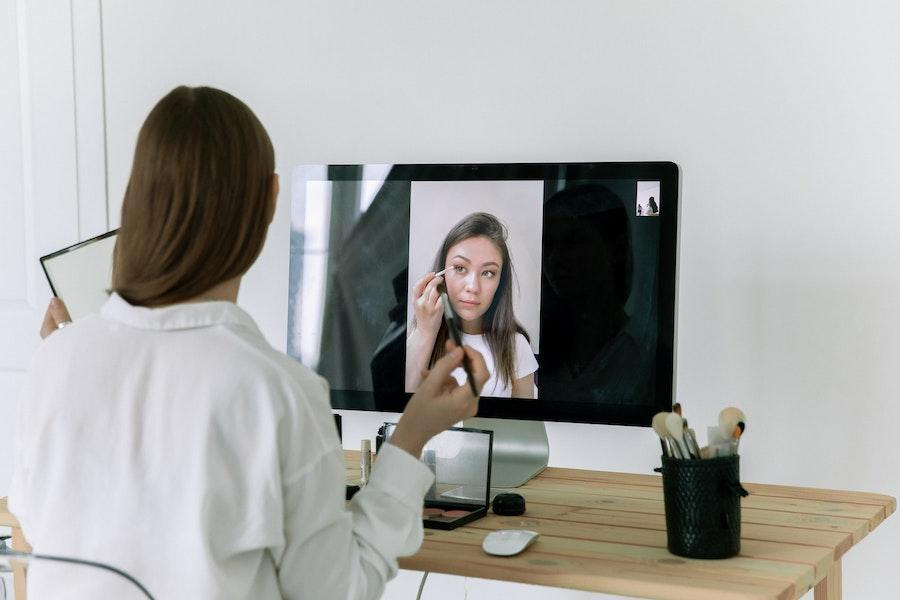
(52, 172)
(783, 117)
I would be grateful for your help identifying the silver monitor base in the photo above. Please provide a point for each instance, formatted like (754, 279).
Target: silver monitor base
(521, 450)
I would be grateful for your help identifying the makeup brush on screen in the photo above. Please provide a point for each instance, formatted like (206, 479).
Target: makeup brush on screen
(675, 426)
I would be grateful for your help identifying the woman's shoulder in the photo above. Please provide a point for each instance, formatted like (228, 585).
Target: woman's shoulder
(522, 341)
(525, 361)
(84, 335)
(261, 358)
(294, 390)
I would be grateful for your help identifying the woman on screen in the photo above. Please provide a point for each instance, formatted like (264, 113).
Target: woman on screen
(473, 266)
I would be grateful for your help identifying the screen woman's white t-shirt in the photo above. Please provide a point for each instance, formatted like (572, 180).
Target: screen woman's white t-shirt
(526, 364)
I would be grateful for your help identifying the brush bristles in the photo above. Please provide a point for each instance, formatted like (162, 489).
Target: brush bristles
(659, 424)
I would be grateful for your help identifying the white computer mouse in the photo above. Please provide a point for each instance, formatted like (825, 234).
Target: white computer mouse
(508, 542)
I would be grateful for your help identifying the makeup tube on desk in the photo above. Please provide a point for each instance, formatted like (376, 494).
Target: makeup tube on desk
(429, 457)
(365, 462)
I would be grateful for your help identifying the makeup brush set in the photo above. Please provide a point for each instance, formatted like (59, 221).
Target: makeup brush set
(701, 486)
(678, 440)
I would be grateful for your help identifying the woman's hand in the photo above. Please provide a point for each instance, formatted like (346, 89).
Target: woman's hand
(440, 401)
(428, 312)
(427, 304)
(56, 317)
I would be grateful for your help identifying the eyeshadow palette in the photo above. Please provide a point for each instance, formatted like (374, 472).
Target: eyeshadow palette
(460, 458)
(443, 515)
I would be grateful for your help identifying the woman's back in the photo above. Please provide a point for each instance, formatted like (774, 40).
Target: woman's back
(173, 442)
(180, 421)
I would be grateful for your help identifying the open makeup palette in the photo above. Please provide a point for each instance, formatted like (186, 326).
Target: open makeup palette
(460, 459)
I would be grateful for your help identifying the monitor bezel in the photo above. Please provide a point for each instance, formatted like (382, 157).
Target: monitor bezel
(666, 172)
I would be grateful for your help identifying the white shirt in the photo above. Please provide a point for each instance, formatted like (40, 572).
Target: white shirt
(177, 445)
(526, 364)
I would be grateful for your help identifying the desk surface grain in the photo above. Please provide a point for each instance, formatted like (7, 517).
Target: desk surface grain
(606, 532)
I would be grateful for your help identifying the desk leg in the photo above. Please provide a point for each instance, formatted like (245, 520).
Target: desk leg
(19, 543)
(830, 587)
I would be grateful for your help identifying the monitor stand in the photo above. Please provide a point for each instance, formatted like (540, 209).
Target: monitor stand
(520, 452)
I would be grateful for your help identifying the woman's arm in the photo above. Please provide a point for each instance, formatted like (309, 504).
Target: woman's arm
(419, 346)
(420, 343)
(523, 387)
(335, 552)
(526, 365)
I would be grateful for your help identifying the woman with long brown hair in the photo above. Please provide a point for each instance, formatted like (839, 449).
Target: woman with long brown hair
(474, 268)
(167, 438)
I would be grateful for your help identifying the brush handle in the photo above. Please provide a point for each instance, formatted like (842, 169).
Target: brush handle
(683, 446)
(692, 443)
(676, 448)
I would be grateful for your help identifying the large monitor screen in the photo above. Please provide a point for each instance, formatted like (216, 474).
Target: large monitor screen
(561, 275)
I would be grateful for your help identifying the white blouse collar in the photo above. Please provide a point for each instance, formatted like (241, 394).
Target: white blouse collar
(176, 316)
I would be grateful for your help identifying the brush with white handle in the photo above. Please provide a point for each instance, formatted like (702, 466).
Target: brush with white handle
(691, 439)
(669, 447)
(675, 425)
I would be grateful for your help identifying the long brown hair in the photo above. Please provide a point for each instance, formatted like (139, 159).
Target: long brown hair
(199, 199)
(499, 323)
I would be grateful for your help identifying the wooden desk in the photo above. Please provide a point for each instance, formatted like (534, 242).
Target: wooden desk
(18, 543)
(606, 532)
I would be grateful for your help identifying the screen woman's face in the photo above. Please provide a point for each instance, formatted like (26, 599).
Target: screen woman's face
(474, 273)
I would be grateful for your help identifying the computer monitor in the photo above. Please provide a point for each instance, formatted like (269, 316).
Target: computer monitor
(561, 274)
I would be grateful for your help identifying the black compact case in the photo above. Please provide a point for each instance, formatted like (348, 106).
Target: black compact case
(460, 459)
(508, 504)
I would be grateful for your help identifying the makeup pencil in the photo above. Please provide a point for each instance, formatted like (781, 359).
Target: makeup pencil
(457, 339)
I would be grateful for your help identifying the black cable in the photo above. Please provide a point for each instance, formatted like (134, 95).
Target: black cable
(77, 561)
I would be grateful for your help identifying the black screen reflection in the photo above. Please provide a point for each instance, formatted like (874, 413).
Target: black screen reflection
(593, 348)
(363, 329)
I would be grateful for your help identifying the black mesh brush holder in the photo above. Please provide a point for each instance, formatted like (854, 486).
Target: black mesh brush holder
(703, 506)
